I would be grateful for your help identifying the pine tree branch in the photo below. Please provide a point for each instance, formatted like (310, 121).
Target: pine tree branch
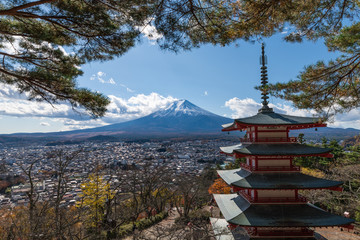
(12, 11)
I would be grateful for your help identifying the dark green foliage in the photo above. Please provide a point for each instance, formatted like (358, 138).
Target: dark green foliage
(195, 217)
(235, 164)
(34, 35)
(343, 167)
(142, 224)
(335, 201)
(101, 30)
(322, 163)
(209, 174)
(301, 138)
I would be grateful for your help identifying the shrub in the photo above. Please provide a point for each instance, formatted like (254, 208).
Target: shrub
(142, 224)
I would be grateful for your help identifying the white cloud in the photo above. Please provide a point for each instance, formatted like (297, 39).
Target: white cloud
(136, 106)
(248, 107)
(111, 81)
(286, 108)
(13, 46)
(206, 93)
(72, 124)
(242, 107)
(285, 30)
(119, 110)
(127, 89)
(100, 76)
(149, 31)
(45, 124)
(10, 91)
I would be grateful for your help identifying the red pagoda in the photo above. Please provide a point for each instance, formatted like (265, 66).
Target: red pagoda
(266, 200)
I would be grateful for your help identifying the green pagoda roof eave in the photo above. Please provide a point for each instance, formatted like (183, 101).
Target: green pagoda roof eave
(288, 215)
(284, 149)
(237, 212)
(243, 179)
(274, 119)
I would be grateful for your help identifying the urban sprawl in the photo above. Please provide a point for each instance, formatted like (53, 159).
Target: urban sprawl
(42, 163)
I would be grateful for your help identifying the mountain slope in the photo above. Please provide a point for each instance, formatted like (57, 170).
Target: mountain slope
(328, 132)
(180, 117)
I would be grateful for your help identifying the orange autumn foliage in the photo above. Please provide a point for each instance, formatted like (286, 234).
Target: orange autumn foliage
(219, 187)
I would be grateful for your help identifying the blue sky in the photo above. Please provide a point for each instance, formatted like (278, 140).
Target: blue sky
(222, 72)
(218, 79)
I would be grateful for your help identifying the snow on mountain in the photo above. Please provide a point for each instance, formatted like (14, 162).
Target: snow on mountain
(181, 107)
(180, 118)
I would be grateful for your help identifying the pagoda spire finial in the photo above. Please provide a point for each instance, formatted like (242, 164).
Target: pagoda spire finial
(264, 82)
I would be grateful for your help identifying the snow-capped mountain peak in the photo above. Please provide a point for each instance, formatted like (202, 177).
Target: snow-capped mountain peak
(181, 107)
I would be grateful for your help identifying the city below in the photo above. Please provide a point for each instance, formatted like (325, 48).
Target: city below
(115, 159)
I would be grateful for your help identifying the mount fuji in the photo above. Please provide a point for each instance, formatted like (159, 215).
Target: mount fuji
(180, 118)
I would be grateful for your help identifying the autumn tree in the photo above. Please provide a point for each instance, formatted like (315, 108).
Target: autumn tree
(190, 193)
(35, 222)
(63, 220)
(44, 216)
(338, 201)
(95, 192)
(149, 189)
(219, 187)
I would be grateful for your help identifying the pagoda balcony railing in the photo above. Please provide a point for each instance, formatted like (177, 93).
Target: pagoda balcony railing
(270, 168)
(303, 232)
(270, 139)
(252, 199)
(244, 194)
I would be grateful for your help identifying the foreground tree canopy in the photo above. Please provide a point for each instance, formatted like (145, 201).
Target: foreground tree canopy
(34, 34)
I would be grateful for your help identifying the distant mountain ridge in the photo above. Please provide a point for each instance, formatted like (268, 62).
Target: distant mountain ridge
(327, 132)
(181, 118)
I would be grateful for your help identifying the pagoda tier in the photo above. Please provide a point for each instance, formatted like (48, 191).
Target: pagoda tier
(273, 150)
(239, 212)
(223, 232)
(271, 119)
(243, 179)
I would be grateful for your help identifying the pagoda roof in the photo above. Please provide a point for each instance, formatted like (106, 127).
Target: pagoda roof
(274, 149)
(276, 119)
(222, 232)
(244, 179)
(238, 211)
